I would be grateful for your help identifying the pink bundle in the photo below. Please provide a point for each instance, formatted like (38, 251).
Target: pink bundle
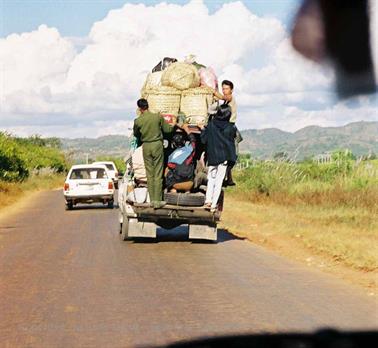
(208, 77)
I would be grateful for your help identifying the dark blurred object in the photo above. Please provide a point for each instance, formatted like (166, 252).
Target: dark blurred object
(163, 64)
(338, 30)
(320, 339)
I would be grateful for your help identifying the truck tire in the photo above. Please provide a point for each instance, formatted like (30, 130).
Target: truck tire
(185, 199)
(69, 206)
(125, 229)
(111, 204)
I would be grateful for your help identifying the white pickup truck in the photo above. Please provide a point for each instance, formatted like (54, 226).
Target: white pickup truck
(112, 171)
(142, 220)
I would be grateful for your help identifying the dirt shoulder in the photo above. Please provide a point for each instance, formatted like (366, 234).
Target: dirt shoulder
(338, 241)
(15, 196)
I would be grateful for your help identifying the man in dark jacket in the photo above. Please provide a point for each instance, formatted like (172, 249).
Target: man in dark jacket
(219, 138)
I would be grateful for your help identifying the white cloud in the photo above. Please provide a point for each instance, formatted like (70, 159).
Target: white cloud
(57, 85)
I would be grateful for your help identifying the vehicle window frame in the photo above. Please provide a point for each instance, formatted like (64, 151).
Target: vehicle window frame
(89, 169)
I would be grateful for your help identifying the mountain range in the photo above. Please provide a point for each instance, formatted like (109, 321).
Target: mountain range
(359, 137)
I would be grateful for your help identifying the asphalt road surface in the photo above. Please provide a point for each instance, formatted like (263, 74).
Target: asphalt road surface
(67, 280)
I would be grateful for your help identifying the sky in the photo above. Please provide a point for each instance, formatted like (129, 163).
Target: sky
(75, 68)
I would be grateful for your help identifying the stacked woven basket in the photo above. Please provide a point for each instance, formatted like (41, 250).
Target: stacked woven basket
(177, 89)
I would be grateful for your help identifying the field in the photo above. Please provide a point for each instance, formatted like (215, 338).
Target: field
(326, 210)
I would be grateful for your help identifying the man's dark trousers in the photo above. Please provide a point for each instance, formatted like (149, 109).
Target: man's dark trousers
(153, 154)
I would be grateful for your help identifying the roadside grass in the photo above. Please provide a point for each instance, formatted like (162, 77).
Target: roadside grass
(344, 234)
(10, 192)
(329, 209)
(344, 184)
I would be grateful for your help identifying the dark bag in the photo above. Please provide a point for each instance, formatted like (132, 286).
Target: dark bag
(163, 64)
(181, 173)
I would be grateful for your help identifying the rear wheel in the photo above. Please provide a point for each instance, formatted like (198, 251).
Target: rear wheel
(125, 228)
(111, 204)
(69, 205)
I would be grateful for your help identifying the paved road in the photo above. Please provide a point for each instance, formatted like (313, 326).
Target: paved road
(68, 281)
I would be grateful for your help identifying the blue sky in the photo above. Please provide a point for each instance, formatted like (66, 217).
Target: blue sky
(76, 17)
(75, 68)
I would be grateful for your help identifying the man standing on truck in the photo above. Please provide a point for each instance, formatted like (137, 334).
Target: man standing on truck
(229, 99)
(227, 96)
(149, 129)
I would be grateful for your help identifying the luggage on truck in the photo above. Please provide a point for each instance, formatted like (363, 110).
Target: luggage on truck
(138, 167)
(163, 99)
(208, 78)
(138, 195)
(163, 64)
(181, 76)
(153, 80)
(195, 103)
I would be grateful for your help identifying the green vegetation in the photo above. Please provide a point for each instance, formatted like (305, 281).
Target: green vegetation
(344, 181)
(29, 164)
(328, 209)
(20, 158)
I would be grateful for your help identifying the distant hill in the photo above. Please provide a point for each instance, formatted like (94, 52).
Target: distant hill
(108, 145)
(360, 137)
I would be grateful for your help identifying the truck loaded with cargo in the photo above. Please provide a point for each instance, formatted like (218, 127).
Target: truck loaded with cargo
(198, 149)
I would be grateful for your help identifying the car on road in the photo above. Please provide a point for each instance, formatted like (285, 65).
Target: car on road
(112, 170)
(88, 183)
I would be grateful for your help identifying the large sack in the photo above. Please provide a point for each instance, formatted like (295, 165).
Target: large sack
(208, 78)
(164, 100)
(139, 195)
(181, 76)
(195, 103)
(138, 165)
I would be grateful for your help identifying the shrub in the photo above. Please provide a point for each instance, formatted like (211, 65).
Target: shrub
(21, 156)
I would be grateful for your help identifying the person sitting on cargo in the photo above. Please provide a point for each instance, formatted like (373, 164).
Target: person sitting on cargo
(219, 138)
(229, 99)
(149, 128)
(179, 174)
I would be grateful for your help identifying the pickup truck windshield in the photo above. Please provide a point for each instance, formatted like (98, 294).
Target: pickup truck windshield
(88, 173)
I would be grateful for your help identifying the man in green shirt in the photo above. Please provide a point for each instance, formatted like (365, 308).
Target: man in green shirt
(149, 129)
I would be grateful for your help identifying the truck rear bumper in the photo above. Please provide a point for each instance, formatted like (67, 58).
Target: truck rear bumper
(180, 215)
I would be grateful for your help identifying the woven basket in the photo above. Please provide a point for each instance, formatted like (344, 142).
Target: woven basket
(165, 100)
(153, 80)
(195, 103)
(181, 76)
